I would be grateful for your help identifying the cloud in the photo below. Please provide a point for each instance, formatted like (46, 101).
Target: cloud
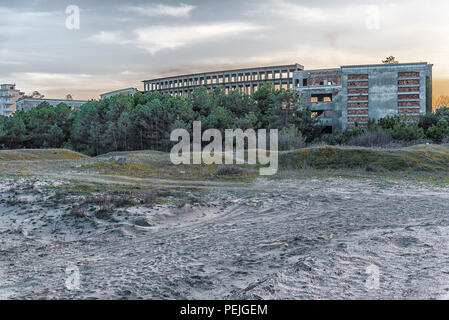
(157, 38)
(106, 37)
(343, 14)
(15, 22)
(11, 62)
(154, 39)
(181, 11)
(80, 85)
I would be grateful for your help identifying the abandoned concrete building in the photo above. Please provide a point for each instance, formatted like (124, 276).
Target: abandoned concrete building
(348, 95)
(339, 97)
(245, 80)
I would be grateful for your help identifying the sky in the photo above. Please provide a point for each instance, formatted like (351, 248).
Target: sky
(120, 43)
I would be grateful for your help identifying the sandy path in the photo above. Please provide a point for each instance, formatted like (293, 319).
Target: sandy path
(291, 239)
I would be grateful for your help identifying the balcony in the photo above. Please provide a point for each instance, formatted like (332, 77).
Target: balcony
(326, 121)
(322, 106)
(320, 88)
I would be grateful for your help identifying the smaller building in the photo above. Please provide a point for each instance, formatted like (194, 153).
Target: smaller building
(130, 91)
(8, 98)
(27, 104)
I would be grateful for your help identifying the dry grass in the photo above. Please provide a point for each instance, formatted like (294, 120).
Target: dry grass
(417, 158)
(229, 170)
(108, 202)
(40, 154)
(78, 211)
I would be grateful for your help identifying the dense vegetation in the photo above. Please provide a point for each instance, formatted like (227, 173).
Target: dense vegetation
(398, 131)
(145, 121)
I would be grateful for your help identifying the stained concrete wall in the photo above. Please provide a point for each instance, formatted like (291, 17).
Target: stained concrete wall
(369, 92)
(384, 84)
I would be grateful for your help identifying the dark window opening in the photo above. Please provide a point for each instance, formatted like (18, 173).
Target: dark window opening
(328, 129)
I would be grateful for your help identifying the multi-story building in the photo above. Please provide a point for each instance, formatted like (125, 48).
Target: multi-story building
(245, 80)
(8, 98)
(348, 95)
(27, 103)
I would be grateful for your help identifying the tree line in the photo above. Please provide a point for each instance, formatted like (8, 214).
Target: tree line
(145, 121)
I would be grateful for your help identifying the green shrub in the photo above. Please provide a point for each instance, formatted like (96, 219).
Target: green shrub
(345, 137)
(442, 112)
(390, 122)
(427, 120)
(439, 131)
(407, 131)
(375, 138)
(290, 139)
(229, 170)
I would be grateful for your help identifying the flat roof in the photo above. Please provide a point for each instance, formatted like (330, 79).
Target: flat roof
(118, 90)
(322, 70)
(225, 71)
(384, 65)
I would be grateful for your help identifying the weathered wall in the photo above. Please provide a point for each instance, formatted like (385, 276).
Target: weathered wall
(369, 92)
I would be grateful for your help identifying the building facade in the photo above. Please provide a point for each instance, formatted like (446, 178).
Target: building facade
(244, 80)
(27, 104)
(130, 91)
(344, 96)
(8, 98)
